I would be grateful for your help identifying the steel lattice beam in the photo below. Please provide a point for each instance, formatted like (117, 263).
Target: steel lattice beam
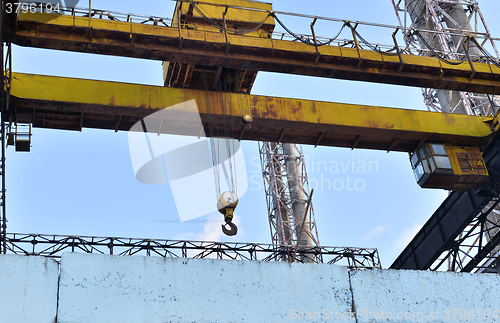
(54, 245)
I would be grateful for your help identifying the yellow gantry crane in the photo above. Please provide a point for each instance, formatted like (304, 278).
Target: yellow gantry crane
(223, 43)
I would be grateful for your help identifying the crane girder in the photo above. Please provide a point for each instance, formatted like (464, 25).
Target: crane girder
(70, 103)
(208, 48)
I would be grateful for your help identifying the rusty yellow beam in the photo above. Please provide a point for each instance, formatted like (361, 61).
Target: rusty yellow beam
(68, 103)
(201, 47)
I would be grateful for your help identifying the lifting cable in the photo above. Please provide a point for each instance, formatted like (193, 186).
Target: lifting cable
(211, 135)
(225, 138)
(222, 151)
(229, 135)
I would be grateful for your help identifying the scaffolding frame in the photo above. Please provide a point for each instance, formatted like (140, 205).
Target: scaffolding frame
(54, 246)
(434, 15)
(285, 228)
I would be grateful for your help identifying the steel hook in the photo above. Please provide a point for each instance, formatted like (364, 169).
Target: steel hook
(232, 231)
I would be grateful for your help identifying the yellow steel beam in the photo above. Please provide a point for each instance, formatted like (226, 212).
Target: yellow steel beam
(207, 48)
(68, 103)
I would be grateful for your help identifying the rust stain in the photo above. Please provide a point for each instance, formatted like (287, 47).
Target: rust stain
(296, 108)
(449, 118)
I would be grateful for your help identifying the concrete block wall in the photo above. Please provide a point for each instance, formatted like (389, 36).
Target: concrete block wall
(105, 289)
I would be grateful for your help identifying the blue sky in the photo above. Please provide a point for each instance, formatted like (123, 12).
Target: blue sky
(82, 183)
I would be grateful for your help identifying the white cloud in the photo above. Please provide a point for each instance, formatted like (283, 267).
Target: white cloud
(379, 229)
(406, 236)
(212, 230)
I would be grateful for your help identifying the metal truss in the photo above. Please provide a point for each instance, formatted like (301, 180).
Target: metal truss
(447, 36)
(286, 186)
(55, 245)
(474, 248)
(432, 15)
(5, 82)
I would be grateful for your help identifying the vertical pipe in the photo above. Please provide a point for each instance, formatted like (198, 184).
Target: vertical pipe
(457, 13)
(448, 100)
(297, 196)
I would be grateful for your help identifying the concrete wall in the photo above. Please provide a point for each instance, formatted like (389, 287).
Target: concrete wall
(149, 289)
(424, 296)
(102, 289)
(28, 289)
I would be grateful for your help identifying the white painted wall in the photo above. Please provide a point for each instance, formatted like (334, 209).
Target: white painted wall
(28, 289)
(107, 289)
(425, 296)
(95, 288)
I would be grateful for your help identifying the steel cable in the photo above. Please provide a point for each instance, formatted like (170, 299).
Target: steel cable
(369, 45)
(436, 54)
(302, 38)
(223, 28)
(485, 53)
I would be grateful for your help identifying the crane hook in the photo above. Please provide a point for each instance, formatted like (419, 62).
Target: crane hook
(228, 218)
(226, 205)
(232, 231)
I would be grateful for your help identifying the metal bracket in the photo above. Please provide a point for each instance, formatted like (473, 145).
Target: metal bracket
(281, 135)
(466, 47)
(225, 30)
(318, 55)
(181, 40)
(398, 50)
(322, 134)
(356, 142)
(356, 43)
